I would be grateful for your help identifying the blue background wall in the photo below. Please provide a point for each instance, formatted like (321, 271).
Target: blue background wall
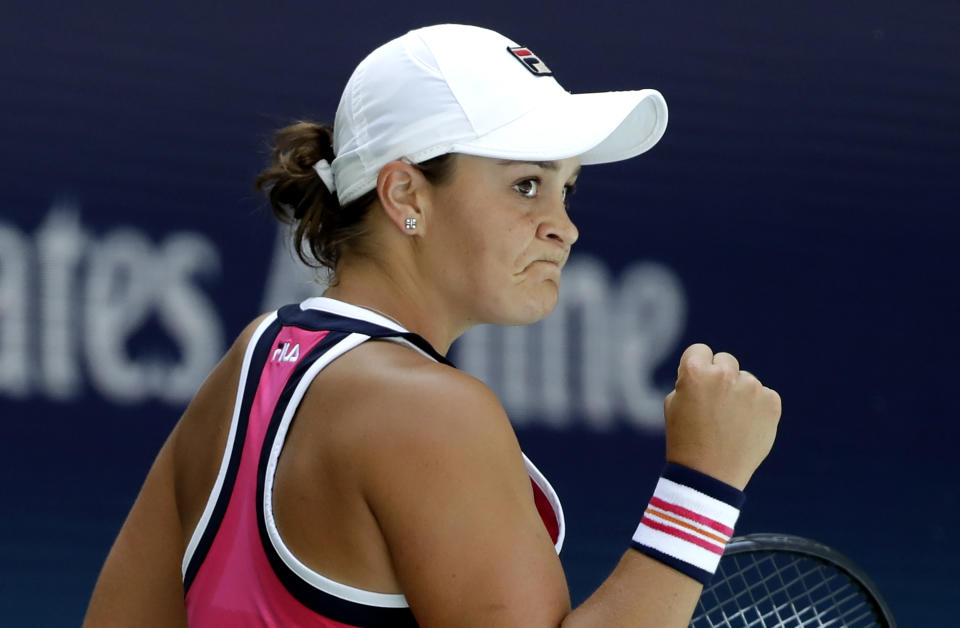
(801, 212)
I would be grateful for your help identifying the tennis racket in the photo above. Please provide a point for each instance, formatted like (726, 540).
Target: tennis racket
(767, 580)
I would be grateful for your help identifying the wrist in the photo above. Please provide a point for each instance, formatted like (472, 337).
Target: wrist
(735, 479)
(689, 521)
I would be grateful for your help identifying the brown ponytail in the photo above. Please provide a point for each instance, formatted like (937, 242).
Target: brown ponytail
(298, 196)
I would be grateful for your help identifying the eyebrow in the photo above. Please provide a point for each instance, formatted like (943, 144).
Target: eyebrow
(546, 165)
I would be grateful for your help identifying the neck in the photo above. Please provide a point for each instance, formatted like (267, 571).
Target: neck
(366, 283)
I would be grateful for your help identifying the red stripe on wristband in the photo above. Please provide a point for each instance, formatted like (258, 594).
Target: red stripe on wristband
(689, 514)
(680, 534)
(679, 522)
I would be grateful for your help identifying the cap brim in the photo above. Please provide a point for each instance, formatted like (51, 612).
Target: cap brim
(599, 128)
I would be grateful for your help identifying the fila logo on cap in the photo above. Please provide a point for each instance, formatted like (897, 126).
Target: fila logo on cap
(529, 60)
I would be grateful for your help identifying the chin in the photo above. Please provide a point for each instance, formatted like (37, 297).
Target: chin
(533, 306)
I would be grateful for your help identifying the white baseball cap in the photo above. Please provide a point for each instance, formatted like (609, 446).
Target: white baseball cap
(452, 88)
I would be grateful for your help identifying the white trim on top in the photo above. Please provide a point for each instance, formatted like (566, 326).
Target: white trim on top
(335, 306)
(552, 498)
(227, 450)
(319, 581)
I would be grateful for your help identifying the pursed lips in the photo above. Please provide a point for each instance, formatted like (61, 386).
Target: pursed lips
(556, 260)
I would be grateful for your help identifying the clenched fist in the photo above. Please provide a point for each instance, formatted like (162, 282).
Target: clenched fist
(719, 420)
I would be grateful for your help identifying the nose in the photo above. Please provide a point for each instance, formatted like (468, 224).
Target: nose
(559, 228)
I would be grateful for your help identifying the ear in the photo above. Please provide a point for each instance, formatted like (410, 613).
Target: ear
(402, 190)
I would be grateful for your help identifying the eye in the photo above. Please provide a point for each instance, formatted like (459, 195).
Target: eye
(528, 188)
(568, 191)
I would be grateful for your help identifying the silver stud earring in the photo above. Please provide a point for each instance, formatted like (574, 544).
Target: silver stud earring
(411, 223)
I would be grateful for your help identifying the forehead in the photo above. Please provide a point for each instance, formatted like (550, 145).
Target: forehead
(564, 167)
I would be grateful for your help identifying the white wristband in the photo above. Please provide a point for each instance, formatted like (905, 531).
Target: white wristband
(689, 521)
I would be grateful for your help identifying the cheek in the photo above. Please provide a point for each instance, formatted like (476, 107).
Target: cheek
(492, 244)
(504, 251)
(483, 244)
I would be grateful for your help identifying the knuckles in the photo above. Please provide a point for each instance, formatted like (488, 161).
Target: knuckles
(749, 383)
(715, 377)
(772, 398)
(724, 373)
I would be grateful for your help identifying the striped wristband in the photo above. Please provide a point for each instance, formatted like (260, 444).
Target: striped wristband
(689, 521)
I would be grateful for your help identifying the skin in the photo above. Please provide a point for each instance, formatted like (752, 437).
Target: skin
(426, 476)
(488, 248)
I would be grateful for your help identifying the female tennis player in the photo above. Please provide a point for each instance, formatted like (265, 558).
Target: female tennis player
(335, 469)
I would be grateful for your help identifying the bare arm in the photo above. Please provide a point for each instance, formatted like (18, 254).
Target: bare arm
(140, 583)
(720, 421)
(453, 501)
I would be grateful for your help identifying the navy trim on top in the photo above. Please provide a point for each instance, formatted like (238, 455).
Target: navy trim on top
(318, 320)
(330, 606)
(254, 370)
(706, 484)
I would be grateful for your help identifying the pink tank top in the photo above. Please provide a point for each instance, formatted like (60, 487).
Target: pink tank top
(237, 571)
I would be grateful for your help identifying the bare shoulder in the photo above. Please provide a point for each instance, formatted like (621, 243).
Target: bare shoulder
(226, 374)
(216, 391)
(437, 462)
(401, 398)
(401, 419)
(200, 436)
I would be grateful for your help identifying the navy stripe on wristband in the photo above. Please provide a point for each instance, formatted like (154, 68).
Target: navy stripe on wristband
(706, 484)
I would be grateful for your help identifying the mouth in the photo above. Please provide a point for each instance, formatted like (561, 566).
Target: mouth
(551, 264)
(557, 260)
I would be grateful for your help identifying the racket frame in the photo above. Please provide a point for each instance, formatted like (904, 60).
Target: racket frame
(792, 544)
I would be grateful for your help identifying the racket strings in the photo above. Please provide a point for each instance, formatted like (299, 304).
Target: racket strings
(761, 596)
(767, 589)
